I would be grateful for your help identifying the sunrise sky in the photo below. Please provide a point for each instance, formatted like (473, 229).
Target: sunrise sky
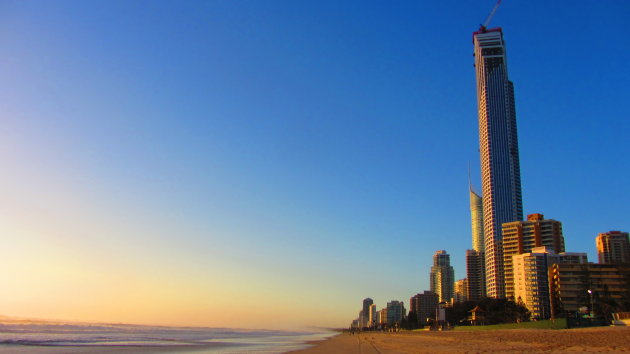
(268, 164)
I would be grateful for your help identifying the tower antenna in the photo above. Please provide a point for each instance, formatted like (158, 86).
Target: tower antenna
(483, 27)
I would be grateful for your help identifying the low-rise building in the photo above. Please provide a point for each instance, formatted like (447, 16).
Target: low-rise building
(424, 305)
(570, 285)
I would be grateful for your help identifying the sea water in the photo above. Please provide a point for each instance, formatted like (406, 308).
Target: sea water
(46, 337)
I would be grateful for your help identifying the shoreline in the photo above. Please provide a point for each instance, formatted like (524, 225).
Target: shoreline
(593, 339)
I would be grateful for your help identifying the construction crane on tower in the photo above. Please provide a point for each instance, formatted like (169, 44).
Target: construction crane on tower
(482, 28)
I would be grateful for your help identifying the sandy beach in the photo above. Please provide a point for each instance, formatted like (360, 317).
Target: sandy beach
(584, 340)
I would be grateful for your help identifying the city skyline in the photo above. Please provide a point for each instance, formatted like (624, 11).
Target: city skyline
(164, 159)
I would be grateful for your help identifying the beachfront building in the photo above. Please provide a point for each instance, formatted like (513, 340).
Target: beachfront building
(613, 247)
(460, 289)
(442, 276)
(365, 312)
(395, 312)
(382, 317)
(531, 278)
(498, 150)
(362, 319)
(372, 316)
(570, 284)
(424, 305)
(522, 237)
(476, 275)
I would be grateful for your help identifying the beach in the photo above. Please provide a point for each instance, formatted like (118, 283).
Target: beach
(584, 340)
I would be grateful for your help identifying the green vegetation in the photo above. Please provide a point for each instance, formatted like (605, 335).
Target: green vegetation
(559, 323)
(495, 311)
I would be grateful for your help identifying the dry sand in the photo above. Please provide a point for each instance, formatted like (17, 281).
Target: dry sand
(582, 340)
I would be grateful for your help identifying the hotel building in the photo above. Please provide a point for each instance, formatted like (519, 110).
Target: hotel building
(522, 236)
(498, 148)
(613, 247)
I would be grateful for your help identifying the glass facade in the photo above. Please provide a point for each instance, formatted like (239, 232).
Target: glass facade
(498, 148)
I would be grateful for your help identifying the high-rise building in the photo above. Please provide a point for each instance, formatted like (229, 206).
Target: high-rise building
(498, 149)
(476, 220)
(476, 272)
(395, 312)
(522, 236)
(442, 276)
(531, 282)
(366, 311)
(613, 247)
(382, 316)
(424, 305)
(372, 316)
(361, 319)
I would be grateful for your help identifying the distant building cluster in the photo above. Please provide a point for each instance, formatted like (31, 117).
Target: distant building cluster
(388, 317)
(520, 260)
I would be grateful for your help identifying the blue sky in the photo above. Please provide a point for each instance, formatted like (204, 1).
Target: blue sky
(297, 151)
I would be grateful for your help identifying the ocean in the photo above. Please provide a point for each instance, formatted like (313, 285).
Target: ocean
(49, 337)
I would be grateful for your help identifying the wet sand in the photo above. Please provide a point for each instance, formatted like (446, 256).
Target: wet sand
(583, 340)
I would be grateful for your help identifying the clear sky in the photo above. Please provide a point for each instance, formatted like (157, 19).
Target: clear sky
(271, 163)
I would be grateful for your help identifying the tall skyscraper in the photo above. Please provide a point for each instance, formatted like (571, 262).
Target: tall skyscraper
(613, 247)
(442, 276)
(475, 258)
(476, 220)
(522, 236)
(498, 148)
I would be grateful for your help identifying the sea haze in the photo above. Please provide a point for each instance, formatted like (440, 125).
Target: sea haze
(56, 337)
